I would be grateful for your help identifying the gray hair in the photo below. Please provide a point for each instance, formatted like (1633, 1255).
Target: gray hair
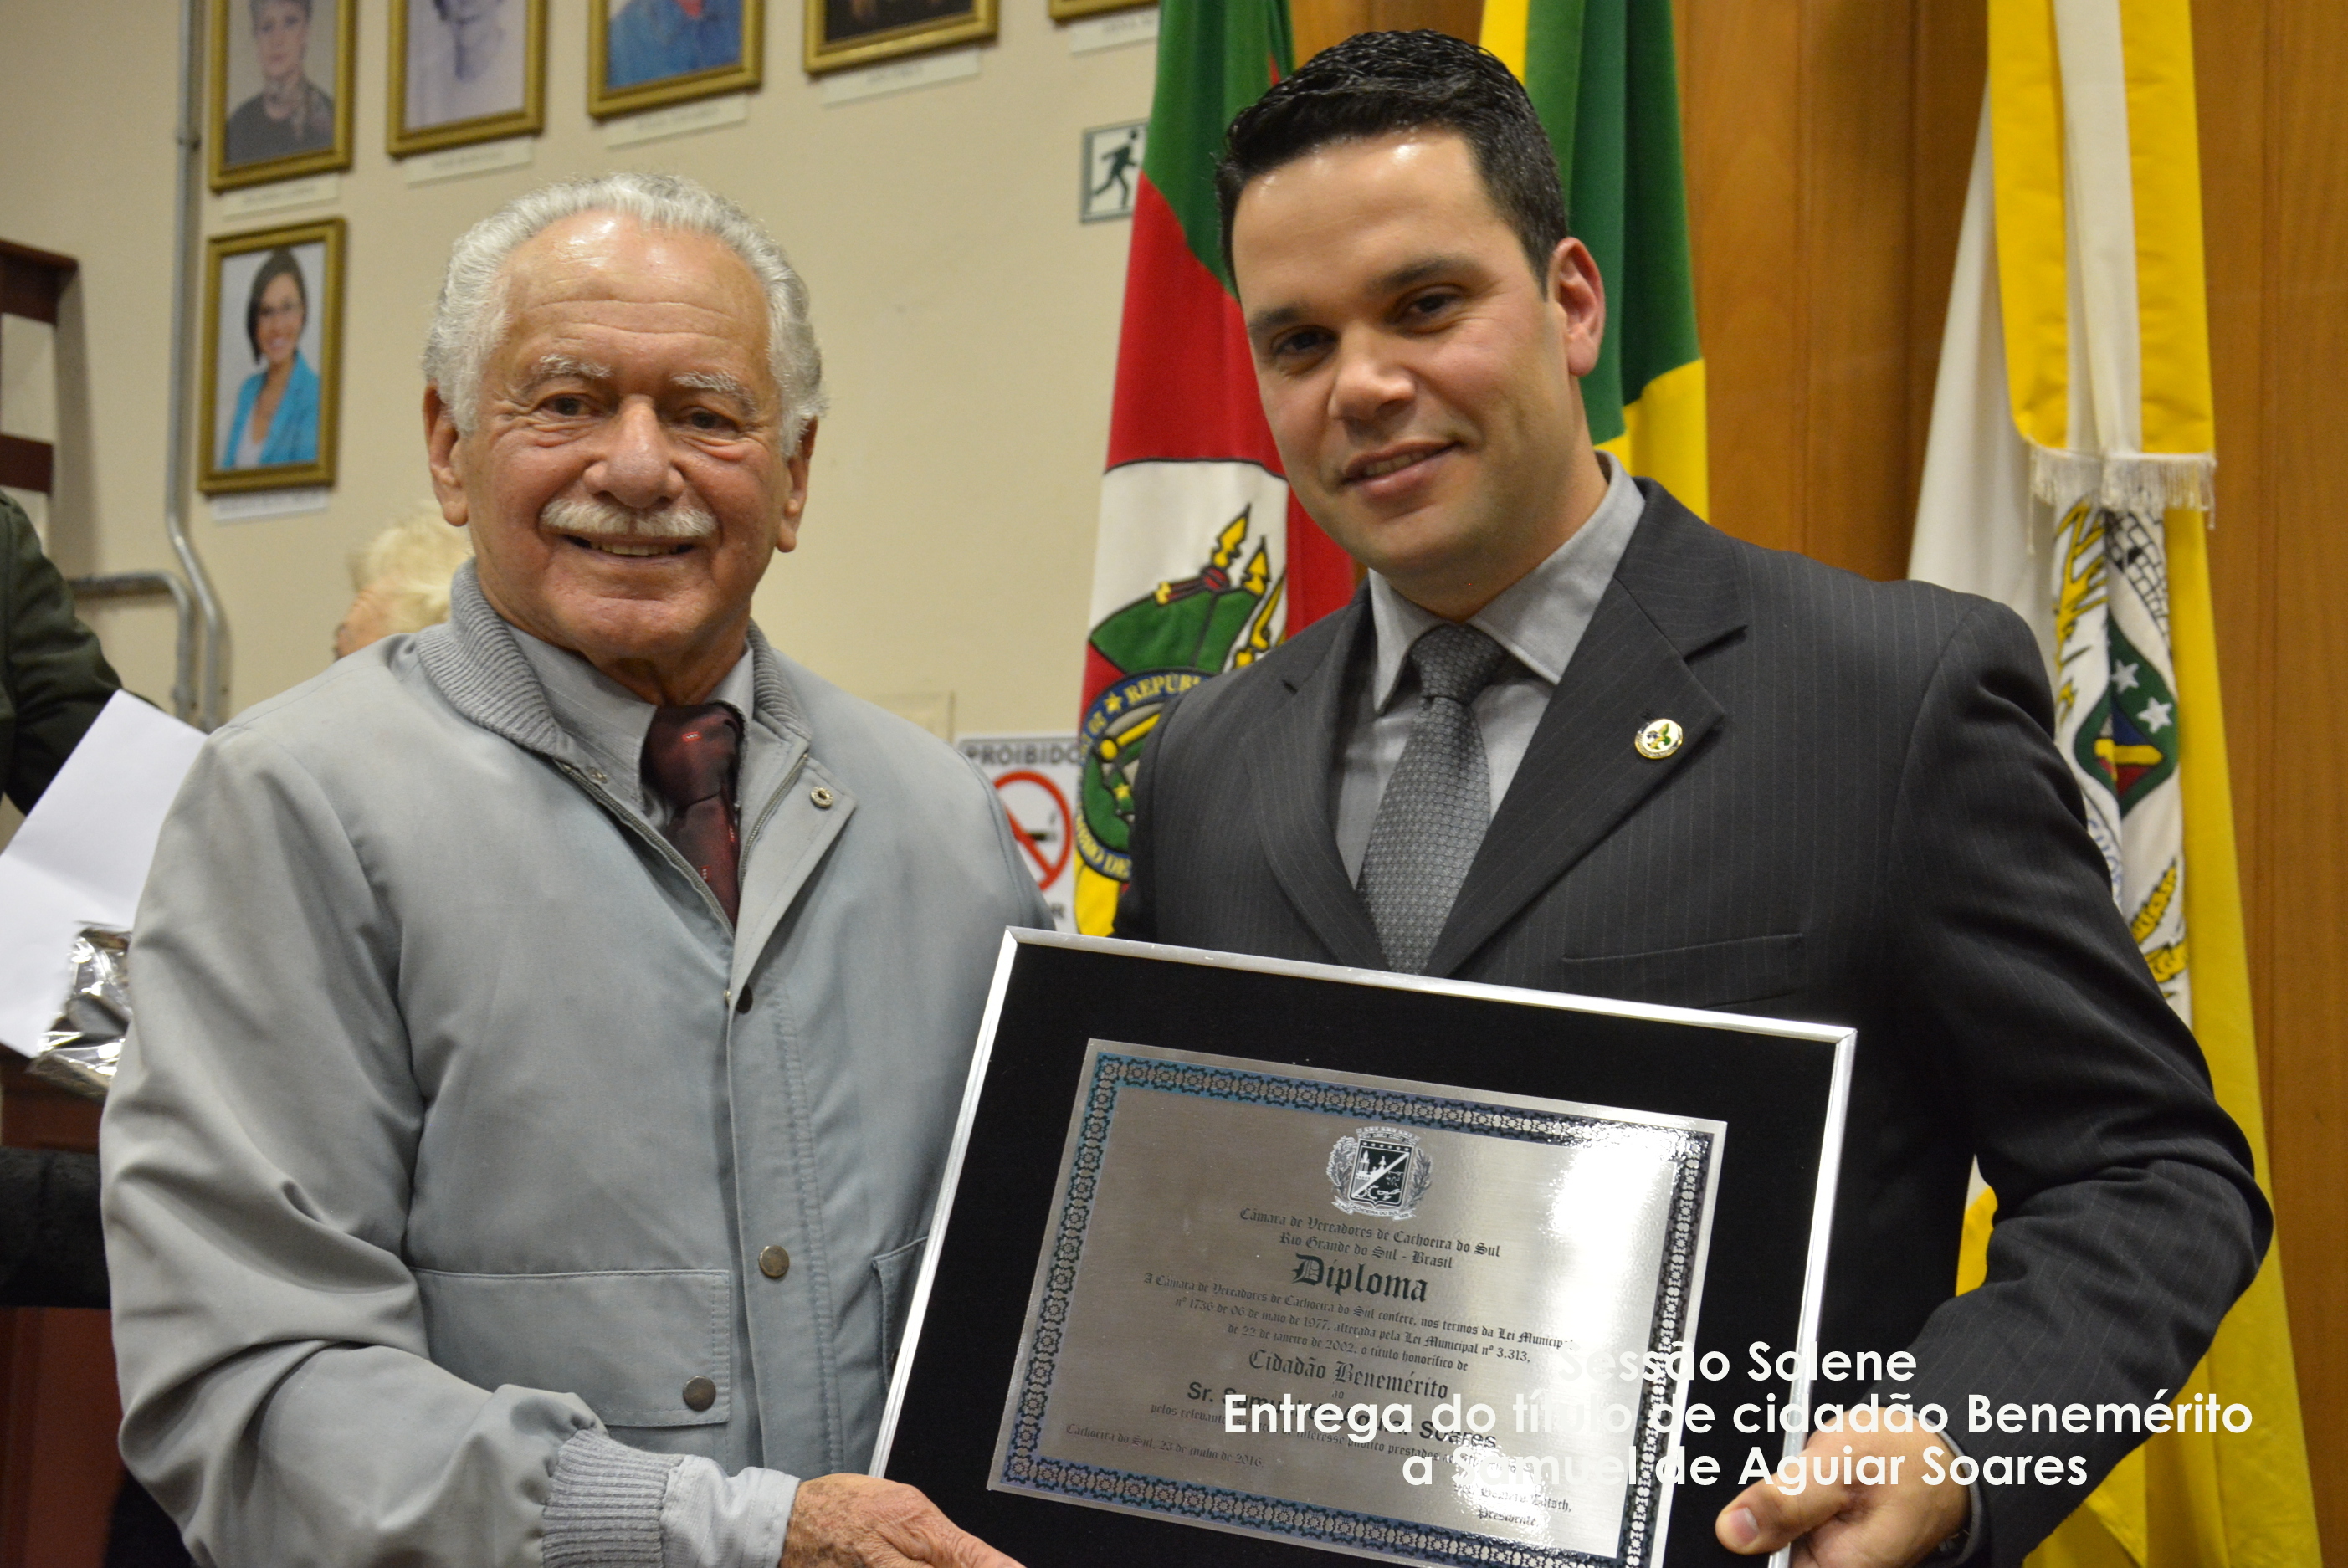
(470, 317)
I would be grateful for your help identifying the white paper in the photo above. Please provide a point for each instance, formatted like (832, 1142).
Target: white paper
(81, 857)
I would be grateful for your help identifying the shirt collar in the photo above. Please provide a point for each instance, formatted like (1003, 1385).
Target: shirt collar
(1539, 618)
(606, 716)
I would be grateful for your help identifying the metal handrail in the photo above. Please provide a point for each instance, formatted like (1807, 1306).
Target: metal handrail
(199, 677)
(142, 584)
(211, 692)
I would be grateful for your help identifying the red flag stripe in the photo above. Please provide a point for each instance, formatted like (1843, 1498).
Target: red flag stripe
(1185, 379)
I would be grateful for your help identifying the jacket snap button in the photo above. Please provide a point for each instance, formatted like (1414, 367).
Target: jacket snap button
(774, 1262)
(700, 1393)
(822, 798)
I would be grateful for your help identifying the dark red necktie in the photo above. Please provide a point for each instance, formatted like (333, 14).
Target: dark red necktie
(690, 755)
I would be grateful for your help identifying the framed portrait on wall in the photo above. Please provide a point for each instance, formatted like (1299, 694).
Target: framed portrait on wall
(280, 97)
(644, 54)
(465, 71)
(1069, 10)
(273, 357)
(845, 33)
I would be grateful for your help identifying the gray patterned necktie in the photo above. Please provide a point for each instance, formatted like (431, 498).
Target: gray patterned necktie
(1432, 817)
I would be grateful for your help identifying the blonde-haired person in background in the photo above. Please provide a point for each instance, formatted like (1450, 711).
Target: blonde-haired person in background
(402, 578)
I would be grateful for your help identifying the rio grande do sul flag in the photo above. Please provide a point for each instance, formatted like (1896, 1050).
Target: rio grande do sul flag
(1204, 559)
(2069, 474)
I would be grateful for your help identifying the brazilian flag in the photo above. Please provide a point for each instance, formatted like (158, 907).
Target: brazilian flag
(1603, 77)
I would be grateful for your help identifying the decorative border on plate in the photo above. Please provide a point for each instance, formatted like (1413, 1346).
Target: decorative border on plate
(1025, 1470)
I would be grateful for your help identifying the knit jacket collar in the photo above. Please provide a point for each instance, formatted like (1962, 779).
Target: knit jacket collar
(476, 664)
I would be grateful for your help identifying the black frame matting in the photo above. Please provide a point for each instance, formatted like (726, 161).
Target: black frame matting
(1777, 1087)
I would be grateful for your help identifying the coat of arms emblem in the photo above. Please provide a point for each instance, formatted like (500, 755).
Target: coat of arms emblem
(1380, 1171)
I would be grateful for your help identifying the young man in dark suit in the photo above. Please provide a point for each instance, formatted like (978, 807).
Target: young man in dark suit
(1568, 736)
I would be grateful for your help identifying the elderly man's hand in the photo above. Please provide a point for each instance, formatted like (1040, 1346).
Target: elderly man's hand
(1888, 1525)
(859, 1521)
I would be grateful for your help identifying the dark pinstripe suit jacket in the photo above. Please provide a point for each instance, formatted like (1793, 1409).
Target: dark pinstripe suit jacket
(1867, 824)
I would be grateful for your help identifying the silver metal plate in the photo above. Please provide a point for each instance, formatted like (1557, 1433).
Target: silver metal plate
(1344, 1251)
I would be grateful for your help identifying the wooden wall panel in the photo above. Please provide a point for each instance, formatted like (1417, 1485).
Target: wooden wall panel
(2303, 844)
(1741, 74)
(1827, 146)
(2229, 47)
(1858, 67)
(1317, 24)
(1951, 44)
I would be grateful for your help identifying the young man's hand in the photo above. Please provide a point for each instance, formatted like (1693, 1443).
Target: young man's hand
(1886, 1525)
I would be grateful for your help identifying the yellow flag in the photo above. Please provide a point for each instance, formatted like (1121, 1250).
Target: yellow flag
(2097, 220)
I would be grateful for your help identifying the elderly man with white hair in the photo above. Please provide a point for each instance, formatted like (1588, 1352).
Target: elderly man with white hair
(550, 1024)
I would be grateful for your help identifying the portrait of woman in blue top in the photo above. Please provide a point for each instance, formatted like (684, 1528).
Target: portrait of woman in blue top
(277, 408)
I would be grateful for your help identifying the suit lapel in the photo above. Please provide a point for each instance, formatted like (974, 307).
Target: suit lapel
(1289, 758)
(1678, 589)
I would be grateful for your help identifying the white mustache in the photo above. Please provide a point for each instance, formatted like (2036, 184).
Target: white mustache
(600, 518)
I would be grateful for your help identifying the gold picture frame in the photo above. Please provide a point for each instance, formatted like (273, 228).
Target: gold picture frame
(248, 144)
(605, 99)
(239, 362)
(427, 74)
(1072, 10)
(838, 40)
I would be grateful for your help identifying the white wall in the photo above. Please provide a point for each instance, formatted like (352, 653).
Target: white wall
(968, 320)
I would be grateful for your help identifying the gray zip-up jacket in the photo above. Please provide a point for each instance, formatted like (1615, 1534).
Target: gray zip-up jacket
(455, 1122)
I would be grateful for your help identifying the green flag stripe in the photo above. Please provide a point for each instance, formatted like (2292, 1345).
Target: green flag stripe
(1594, 189)
(1660, 313)
(1603, 77)
(1214, 58)
(1553, 73)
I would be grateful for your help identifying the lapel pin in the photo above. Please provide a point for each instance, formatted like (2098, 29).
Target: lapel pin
(1659, 739)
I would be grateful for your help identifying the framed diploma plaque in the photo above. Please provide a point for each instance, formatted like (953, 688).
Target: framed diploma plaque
(1241, 1262)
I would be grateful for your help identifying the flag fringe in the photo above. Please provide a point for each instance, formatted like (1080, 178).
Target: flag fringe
(2144, 484)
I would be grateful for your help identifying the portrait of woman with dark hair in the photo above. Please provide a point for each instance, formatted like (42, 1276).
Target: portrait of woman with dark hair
(272, 356)
(277, 408)
(291, 114)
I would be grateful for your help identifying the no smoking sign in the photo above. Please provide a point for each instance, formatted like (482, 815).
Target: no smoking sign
(1035, 777)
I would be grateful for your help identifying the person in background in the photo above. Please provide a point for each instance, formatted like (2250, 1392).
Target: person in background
(277, 408)
(291, 114)
(402, 581)
(53, 682)
(56, 681)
